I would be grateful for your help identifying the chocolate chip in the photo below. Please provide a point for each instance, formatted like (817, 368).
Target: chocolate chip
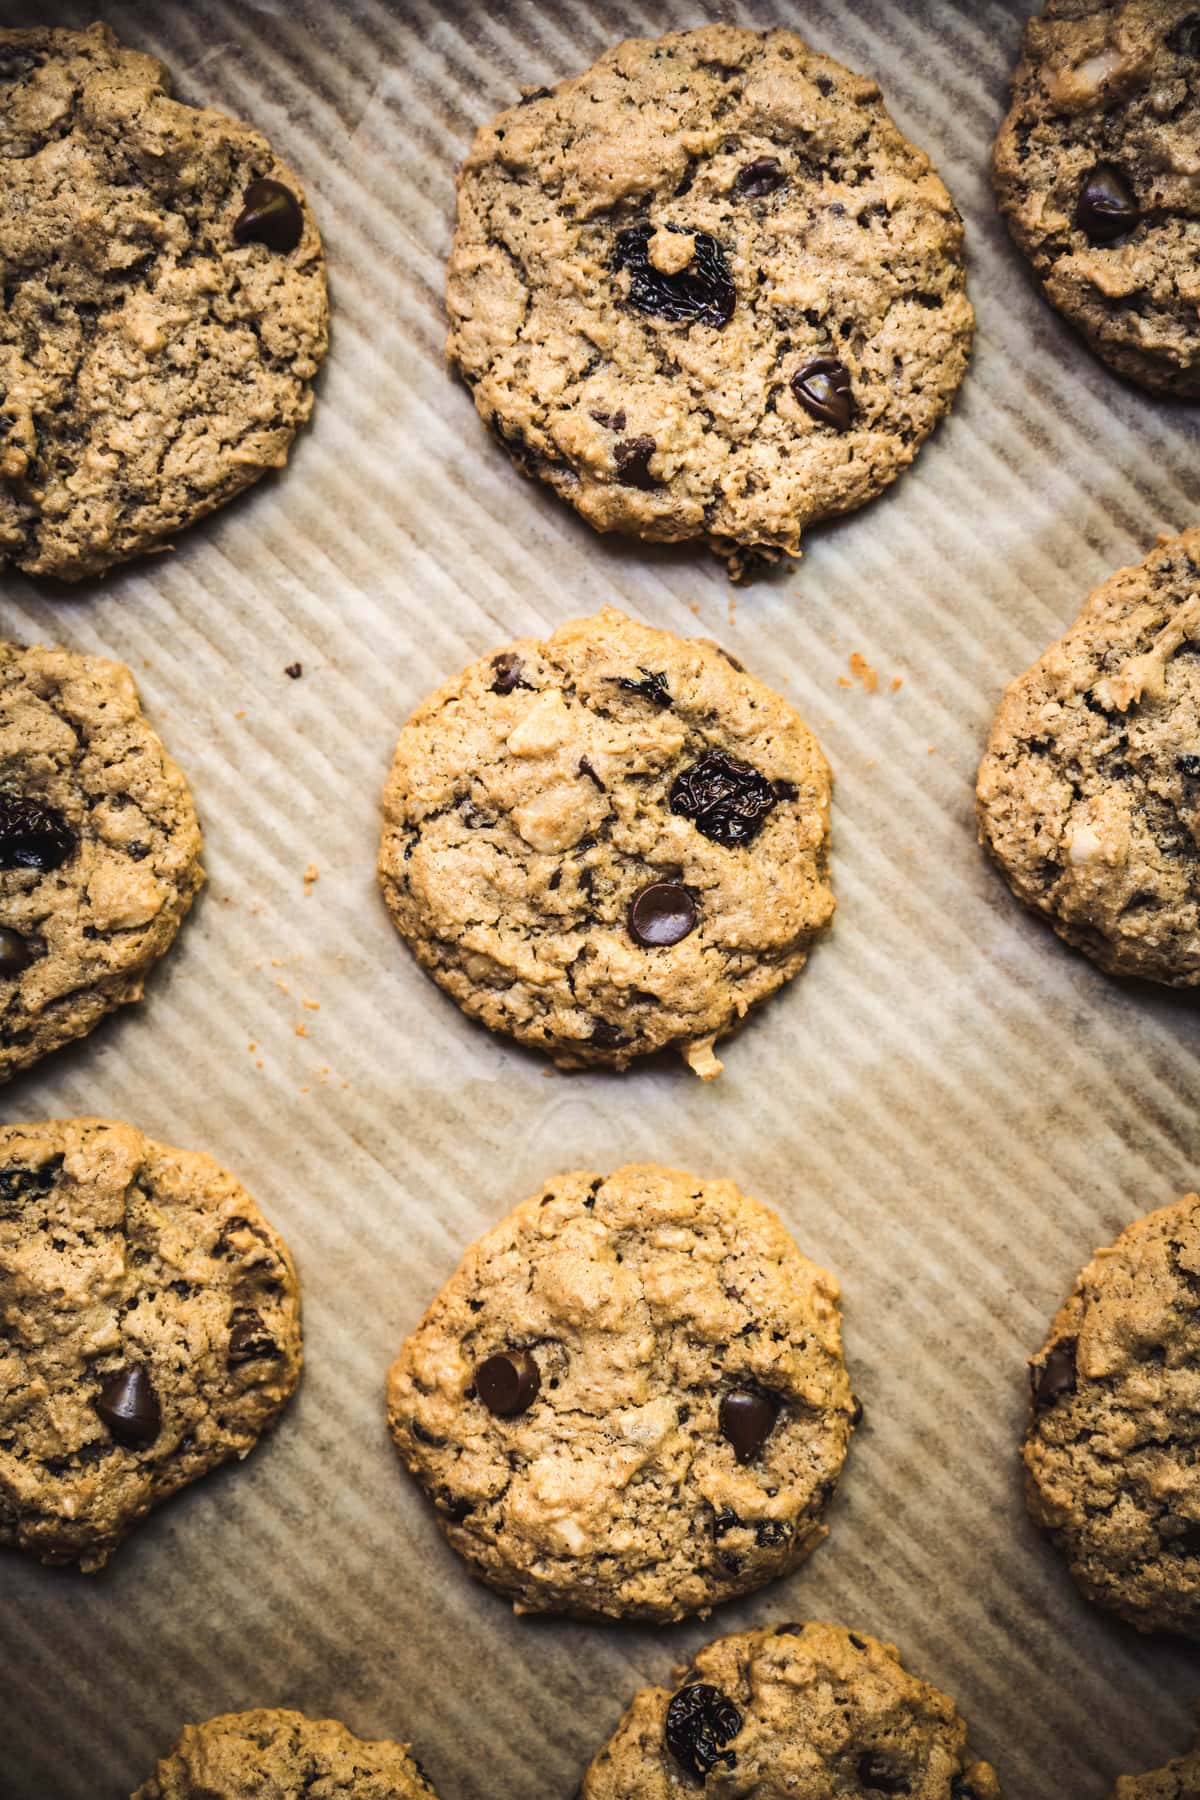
(632, 457)
(508, 1382)
(822, 387)
(507, 668)
(961, 1789)
(607, 1035)
(1184, 39)
(129, 1407)
(1053, 1378)
(747, 1419)
(32, 836)
(294, 670)
(701, 1721)
(249, 1338)
(1107, 208)
(610, 421)
(875, 1774)
(856, 1411)
(652, 686)
(727, 800)
(15, 953)
(529, 95)
(1189, 766)
(270, 215)
(703, 293)
(760, 177)
(660, 914)
(19, 1184)
(585, 768)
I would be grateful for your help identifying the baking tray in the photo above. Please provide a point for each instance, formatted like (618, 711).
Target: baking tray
(949, 1108)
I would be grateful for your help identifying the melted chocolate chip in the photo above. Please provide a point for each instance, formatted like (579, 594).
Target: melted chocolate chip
(661, 914)
(15, 954)
(760, 177)
(632, 457)
(823, 389)
(652, 686)
(701, 1721)
(270, 215)
(507, 668)
(703, 293)
(747, 1419)
(1054, 1378)
(727, 800)
(32, 836)
(508, 1383)
(1107, 209)
(249, 1338)
(128, 1405)
(878, 1776)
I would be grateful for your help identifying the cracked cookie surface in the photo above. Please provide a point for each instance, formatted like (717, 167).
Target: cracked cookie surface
(1114, 1434)
(1176, 1780)
(151, 365)
(535, 800)
(149, 1331)
(707, 290)
(99, 848)
(1089, 794)
(1095, 170)
(801, 1712)
(673, 1408)
(274, 1754)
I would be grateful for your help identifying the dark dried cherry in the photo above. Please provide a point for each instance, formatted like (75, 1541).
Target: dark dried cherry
(632, 457)
(652, 686)
(249, 1339)
(508, 669)
(701, 1721)
(32, 836)
(703, 293)
(762, 176)
(726, 800)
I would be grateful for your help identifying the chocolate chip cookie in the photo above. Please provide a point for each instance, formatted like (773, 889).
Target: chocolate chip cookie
(1096, 172)
(802, 1712)
(608, 843)
(1178, 1780)
(99, 848)
(1089, 794)
(272, 1754)
(162, 305)
(1112, 1455)
(707, 290)
(149, 1330)
(630, 1400)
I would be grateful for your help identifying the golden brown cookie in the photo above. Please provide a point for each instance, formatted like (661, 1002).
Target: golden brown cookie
(273, 1754)
(1176, 1780)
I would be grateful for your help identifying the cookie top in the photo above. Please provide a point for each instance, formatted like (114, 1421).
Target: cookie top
(1095, 170)
(149, 1330)
(272, 1754)
(162, 305)
(1178, 1780)
(1114, 1435)
(629, 1401)
(707, 290)
(1089, 794)
(99, 848)
(608, 843)
(801, 1712)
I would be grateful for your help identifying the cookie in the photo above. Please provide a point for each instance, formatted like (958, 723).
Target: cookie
(629, 1401)
(1112, 1455)
(99, 848)
(1089, 794)
(707, 290)
(609, 843)
(162, 305)
(149, 1330)
(1178, 1780)
(272, 1754)
(802, 1712)
(1095, 171)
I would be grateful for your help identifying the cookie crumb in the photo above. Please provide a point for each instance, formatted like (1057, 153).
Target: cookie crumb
(897, 683)
(861, 670)
(311, 874)
(294, 670)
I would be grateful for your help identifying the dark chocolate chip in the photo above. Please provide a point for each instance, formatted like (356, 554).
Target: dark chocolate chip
(727, 800)
(270, 215)
(32, 836)
(632, 457)
(18, 1185)
(529, 95)
(1184, 39)
(585, 768)
(961, 1789)
(15, 954)
(607, 1035)
(660, 914)
(249, 1338)
(508, 1382)
(1189, 765)
(703, 293)
(701, 1722)
(294, 670)
(822, 387)
(128, 1405)
(747, 1419)
(610, 421)
(790, 1630)
(652, 686)
(769, 1534)
(878, 1777)
(760, 177)
(1053, 1378)
(1107, 209)
(856, 1411)
(507, 668)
